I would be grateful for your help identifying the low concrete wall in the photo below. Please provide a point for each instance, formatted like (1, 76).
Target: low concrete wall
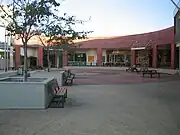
(56, 74)
(7, 74)
(25, 95)
(61, 79)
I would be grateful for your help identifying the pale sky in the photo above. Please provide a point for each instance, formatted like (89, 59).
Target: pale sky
(119, 17)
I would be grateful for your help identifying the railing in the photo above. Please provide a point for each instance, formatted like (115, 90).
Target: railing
(76, 63)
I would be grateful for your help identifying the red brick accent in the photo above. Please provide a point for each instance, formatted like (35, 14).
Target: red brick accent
(173, 56)
(17, 56)
(65, 58)
(99, 56)
(133, 57)
(154, 56)
(40, 56)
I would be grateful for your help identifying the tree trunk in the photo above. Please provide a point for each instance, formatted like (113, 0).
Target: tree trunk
(25, 63)
(49, 64)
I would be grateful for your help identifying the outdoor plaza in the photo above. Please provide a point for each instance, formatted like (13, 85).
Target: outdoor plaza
(125, 85)
(98, 77)
(130, 104)
(94, 79)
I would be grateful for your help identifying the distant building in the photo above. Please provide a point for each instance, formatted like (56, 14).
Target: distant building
(153, 49)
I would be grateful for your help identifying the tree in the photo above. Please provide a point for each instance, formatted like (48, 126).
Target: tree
(26, 19)
(175, 5)
(58, 33)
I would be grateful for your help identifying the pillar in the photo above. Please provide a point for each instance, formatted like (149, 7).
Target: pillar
(17, 56)
(173, 51)
(154, 56)
(11, 57)
(57, 58)
(65, 58)
(133, 57)
(40, 56)
(99, 56)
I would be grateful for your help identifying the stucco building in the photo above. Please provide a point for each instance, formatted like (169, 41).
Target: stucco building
(153, 49)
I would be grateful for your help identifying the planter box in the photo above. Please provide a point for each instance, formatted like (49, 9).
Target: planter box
(7, 74)
(36, 93)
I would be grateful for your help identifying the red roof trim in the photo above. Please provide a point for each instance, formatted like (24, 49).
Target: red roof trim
(161, 37)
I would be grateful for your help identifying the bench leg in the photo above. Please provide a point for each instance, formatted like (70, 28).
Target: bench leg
(61, 102)
(71, 82)
(151, 75)
(65, 94)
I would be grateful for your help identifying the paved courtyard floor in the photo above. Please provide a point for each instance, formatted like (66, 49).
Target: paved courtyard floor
(90, 76)
(125, 109)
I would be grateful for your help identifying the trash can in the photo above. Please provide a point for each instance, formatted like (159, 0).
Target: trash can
(20, 70)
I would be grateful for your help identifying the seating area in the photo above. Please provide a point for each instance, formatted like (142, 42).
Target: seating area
(144, 71)
(60, 95)
(151, 73)
(68, 78)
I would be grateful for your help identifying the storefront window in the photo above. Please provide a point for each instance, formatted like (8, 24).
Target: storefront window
(144, 58)
(164, 58)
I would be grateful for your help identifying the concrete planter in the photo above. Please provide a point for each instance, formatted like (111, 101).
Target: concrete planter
(7, 74)
(36, 93)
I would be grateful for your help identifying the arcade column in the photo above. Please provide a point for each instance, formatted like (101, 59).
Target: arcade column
(133, 57)
(65, 58)
(17, 56)
(40, 56)
(173, 51)
(154, 56)
(57, 59)
(99, 56)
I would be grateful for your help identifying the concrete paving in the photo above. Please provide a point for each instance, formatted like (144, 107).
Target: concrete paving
(133, 109)
(162, 70)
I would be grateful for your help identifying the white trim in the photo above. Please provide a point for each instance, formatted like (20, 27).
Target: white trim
(139, 48)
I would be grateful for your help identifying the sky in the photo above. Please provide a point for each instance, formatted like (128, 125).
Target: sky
(119, 17)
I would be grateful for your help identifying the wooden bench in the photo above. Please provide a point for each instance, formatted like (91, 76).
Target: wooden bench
(60, 95)
(151, 73)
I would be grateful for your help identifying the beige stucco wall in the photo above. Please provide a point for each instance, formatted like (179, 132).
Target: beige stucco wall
(33, 41)
(30, 52)
(92, 52)
(104, 54)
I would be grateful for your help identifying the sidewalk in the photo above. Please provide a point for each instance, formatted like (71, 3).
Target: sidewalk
(148, 109)
(168, 71)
